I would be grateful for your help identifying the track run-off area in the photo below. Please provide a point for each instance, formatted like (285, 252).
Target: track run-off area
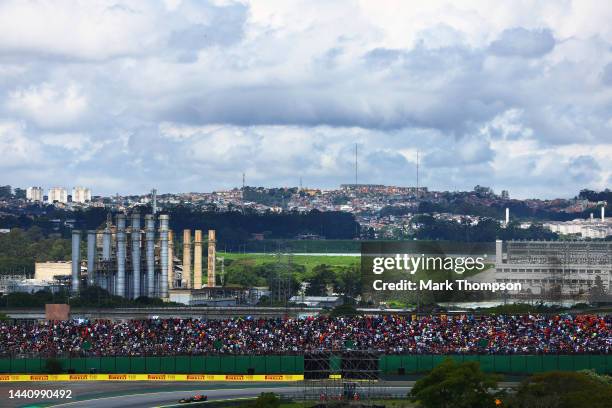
(95, 394)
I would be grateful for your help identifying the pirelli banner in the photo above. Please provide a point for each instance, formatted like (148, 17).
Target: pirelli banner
(150, 377)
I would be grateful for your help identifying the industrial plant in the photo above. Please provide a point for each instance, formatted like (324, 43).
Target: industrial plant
(139, 259)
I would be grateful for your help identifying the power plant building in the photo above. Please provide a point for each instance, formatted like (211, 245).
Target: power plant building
(131, 258)
(555, 267)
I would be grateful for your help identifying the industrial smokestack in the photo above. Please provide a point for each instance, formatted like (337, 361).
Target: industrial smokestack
(171, 277)
(187, 258)
(136, 255)
(91, 257)
(507, 216)
(498, 251)
(106, 244)
(121, 250)
(603, 213)
(591, 217)
(76, 260)
(150, 239)
(197, 260)
(212, 258)
(164, 221)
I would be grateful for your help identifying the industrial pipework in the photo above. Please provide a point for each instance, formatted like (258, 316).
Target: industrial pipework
(197, 260)
(135, 255)
(187, 259)
(91, 257)
(171, 276)
(150, 238)
(76, 260)
(212, 258)
(164, 221)
(121, 249)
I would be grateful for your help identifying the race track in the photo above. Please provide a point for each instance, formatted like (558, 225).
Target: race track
(160, 399)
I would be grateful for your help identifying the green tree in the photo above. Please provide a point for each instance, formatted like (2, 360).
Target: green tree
(597, 293)
(345, 310)
(6, 191)
(563, 389)
(323, 275)
(457, 385)
(348, 281)
(266, 400)
(19, 193)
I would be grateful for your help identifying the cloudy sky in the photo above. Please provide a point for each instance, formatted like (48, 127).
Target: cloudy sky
(188, 95)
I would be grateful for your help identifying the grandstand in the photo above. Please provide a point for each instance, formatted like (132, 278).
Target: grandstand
(459, 334)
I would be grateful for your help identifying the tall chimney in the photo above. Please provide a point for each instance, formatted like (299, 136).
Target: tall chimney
(106, 244)
(507, 216)
(212, 258)
(187, 258)
(171, 260)
(150, 249)
(121, 249)
(498, 251)
(91, 257)
(164, 225)
(76, 260)
(197, 260)
(591, 217)
(603, 213)
(135, 255)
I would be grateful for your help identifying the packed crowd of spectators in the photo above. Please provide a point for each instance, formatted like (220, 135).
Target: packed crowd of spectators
(520, 334)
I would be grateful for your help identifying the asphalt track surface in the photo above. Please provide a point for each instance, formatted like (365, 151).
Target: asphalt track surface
(160, 399)
(156, 399)
(146, 395)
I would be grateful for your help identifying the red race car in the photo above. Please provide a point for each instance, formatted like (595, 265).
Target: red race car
(195, 398)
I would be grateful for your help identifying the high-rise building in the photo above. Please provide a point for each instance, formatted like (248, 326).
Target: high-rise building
(58, 194)
(81, 195)
(34, 193)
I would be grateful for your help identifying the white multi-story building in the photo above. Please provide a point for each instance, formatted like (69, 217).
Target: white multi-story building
(594, 227)
(81, 195)
(34, 193)
(549, 267)
(58, 194)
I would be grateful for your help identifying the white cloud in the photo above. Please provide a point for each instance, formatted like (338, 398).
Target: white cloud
(515, 95)
(15, 148)
(49, 105)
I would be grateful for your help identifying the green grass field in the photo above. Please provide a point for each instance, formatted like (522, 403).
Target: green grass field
(309, 261)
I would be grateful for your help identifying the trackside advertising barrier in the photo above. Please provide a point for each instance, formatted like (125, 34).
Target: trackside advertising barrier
(148, 377)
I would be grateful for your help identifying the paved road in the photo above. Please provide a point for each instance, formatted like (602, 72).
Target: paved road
(84, 390)
(157, 399)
